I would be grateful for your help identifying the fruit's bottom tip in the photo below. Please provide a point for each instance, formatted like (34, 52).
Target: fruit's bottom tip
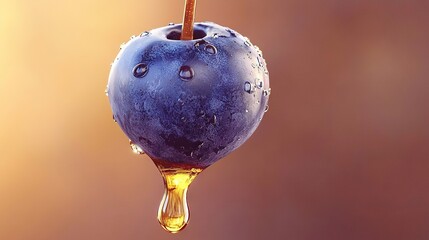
(163, 164)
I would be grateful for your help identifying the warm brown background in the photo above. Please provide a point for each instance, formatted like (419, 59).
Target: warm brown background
(343, 152)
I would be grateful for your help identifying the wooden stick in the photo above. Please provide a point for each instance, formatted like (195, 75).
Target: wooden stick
(188, 20)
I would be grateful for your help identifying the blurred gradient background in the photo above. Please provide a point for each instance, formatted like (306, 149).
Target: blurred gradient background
(343, 152)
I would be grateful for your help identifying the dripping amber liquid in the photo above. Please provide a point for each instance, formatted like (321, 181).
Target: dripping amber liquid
(173, 212)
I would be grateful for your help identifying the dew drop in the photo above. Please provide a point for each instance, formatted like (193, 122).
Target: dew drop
(121, 46)
(136, 149)
(247, 110)
(231, 32)
(132, 37)
(215, 35)
(248, 87)
(140, 70)
(214, 120)
(180, 101)
(247, 42)
(266, 93)
(114, 119)
(201, 114)
(210, 49)
(258, 50)
(266, 108)
(170, 24)
(144, 34)
(200, 42)
(107, 90)
(259, 83)
(260, 62)
(186, 73)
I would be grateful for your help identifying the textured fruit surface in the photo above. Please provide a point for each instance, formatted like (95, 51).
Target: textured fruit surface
(188, 103)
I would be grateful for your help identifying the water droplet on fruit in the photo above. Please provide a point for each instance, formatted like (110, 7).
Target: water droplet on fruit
(114, 119)
(248, 87)
(210, 49)
(214, 120)
(258, 50)
(266, 93)
(186, 73)
(170, 24)
(132, 37)
(180, 101)
(231, 32)
(144, 34)
(135, 148)
(121, 46)
(260, 62)
(253, 65)
(247, 110)
(199, 42)
(247, 42)
(201, 114)
(107, 90)
(266, 108)
(140, 70)
(259, 83)
(215, 35)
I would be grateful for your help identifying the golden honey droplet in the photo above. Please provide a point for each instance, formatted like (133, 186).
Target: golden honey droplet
(173, 212)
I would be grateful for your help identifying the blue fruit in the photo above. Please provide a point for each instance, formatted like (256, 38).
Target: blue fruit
(189, 103)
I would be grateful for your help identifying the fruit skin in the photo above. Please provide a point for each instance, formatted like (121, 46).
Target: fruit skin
(189, 122)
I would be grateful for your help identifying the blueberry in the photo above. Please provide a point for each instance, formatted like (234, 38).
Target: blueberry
(189, 103)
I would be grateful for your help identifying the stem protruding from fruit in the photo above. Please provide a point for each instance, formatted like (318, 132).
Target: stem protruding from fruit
(188, 20)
